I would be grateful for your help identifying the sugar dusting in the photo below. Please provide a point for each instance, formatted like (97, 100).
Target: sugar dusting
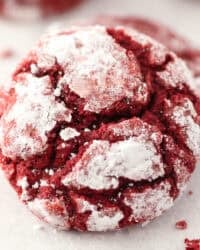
(135, 158)
(96, 69)
(23, 183)
(27, 122)
(100, 220)
(34, 69)
(185, 116)
(157, 50)
(57, 216)
(103, 163)
(149, 204)
(176, 74)
(139, 128)
(68, 133)
(182, 174)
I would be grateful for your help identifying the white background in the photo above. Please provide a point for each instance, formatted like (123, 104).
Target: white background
(18, 228)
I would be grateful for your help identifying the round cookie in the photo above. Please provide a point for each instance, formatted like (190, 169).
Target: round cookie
(101, 130)
(34, 8)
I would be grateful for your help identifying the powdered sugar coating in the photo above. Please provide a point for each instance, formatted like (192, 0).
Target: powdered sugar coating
(100, 219)
(176, 74)
(68, 133)
(185, 116)
(53, 212)
(136, 127)
(23, 183)
(132, 159)
(93, 66)
(182, 172)
(149, 204)
(157, 50)
(184, 48)
(136, 158)
(27, 136)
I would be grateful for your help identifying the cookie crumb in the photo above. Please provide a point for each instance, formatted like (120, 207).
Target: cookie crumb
(190, 192)
(181, 225)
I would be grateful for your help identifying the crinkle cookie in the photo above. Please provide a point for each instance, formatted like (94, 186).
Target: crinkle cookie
(101, 130)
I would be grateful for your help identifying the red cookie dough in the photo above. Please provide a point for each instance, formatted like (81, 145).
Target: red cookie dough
(102, 130)
(33, 8)
(175, 42)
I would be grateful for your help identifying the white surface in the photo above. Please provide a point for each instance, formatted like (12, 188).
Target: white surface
(20, 230)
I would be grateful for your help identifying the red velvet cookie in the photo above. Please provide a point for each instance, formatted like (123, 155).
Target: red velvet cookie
(33, 8)
(102, 130)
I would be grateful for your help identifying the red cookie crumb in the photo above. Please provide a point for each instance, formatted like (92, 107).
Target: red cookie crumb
(35, 8)
(182, 225)
(192, 244)
(190, 192)
(100, 133)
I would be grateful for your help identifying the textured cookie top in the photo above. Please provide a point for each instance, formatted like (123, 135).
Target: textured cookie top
(95, 67)
(181, 46)
(101, 129)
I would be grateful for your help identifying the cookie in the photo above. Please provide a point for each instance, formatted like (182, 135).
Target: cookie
(101, 130)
